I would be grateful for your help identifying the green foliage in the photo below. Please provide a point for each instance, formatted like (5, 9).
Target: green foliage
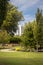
(4, 37)
(35, 29)
(3, 10)
(15, 40)
(9, 18)
(27, 37)
(13, 17)
(38, 15)
(39, 21)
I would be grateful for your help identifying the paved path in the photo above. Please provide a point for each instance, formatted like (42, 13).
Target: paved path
(6, 50)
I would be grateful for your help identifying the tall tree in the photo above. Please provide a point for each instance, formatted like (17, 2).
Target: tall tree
(12, 18)
(3, 10)
(28, 38)
(39, 21)
(35, 33)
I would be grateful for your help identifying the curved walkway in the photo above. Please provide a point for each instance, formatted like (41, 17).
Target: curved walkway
(6, 50)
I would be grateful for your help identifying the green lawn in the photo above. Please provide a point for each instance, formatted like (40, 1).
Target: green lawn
(21, 58)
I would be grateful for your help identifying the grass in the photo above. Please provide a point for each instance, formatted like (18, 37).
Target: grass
(21, 58)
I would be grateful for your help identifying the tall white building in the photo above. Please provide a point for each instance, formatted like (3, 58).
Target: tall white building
(19, 30)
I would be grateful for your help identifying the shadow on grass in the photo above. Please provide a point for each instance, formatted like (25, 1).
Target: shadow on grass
(21, 61)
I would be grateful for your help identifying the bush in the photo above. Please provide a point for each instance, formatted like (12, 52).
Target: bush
(18, 49)
(4, 37)
(15, 40)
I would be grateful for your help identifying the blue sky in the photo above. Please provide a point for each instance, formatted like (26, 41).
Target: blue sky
(28, 7)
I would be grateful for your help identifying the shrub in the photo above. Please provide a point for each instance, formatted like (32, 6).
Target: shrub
(15, 40)
(18, 48)
(4, 37)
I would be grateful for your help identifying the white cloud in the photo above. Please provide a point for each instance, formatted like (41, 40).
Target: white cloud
(18, 2)
(28, 18)
(24, 3)
(28, 4)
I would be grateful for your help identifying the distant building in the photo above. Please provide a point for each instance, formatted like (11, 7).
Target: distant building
(19, 30)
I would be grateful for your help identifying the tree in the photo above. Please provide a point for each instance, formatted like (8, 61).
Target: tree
(12, 18)
(27, 37)
(3, 10)
(35, 33)
(39, 22)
